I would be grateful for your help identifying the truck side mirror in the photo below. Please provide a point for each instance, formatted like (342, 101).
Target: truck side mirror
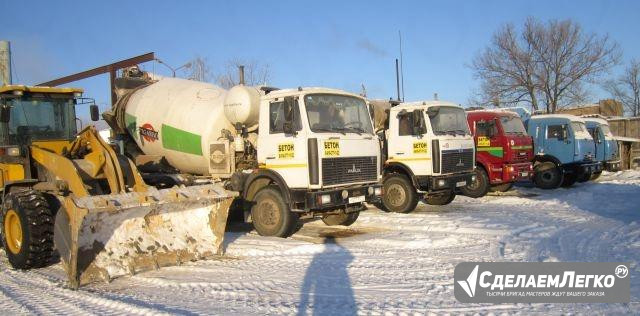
(5, 113)
(418, 119)
(95, 112)
(565, 133)
(288, 126)
(490, 125)
(433, 111)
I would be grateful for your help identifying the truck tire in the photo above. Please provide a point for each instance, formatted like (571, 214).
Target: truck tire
(442, 199)
(547, 175)
(27, 230)
(596, 175)
(478, 188)
(271, 215)
(399, 194)
(584, 177)
(569, 179)
(501, 187)
(344, 219)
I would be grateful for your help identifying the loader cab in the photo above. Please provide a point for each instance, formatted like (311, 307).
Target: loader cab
(37, 115)
(40, 116)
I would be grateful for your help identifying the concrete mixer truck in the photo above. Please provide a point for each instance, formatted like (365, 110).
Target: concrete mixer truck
(428, 152)
(291, 154)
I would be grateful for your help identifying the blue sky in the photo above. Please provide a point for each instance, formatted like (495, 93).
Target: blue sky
(340, 44)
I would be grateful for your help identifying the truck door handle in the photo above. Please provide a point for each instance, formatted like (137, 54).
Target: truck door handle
(272, 157)
(399, 153)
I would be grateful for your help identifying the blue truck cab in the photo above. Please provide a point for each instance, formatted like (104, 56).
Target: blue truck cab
(564, 151)
(606, 146)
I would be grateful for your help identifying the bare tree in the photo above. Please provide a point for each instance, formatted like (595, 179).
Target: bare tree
(506, 70)
(545, 64)
(627, 88)
(199, 70)
(255, 73)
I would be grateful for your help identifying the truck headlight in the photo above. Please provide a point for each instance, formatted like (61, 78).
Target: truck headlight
(378, 191)
(325, 199)
(345, 194)
(442, 182)
(12, 151)
(370, 190)
(473, 178)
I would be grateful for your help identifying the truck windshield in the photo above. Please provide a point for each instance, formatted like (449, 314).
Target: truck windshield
(512, 125)
(580, 130)
(606, 130)
(39, 119)
(448, 120)
(331, 113)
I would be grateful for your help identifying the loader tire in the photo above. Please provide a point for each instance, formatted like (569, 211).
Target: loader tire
(478, 188)
(27, 230)
(399, 194)
(344, 219)
(442, 199)
(547, 175)
(271, 215)
(501, 187)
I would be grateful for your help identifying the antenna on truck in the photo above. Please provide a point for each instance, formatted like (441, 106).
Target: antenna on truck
(401, 64)
(397, 80)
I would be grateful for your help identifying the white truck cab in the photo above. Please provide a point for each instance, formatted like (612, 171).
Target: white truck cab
(429, 153)
(317, 150)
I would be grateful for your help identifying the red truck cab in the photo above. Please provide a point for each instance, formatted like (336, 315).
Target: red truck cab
(504, 151)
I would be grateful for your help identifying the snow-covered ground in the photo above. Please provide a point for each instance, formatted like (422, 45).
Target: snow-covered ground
(383, 264)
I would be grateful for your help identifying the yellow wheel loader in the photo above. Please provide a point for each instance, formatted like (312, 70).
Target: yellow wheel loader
(70, 194)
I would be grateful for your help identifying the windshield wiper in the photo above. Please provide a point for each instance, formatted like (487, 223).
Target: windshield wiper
(357, 130)
(330, 130)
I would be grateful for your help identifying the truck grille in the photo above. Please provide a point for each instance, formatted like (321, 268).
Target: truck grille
(457, 160)
(349, 170)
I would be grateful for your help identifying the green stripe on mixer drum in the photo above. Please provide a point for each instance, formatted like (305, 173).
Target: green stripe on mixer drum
(130, 123)
(183, 141)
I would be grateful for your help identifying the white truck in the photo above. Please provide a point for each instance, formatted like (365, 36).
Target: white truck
(428, 150)
(291, 154)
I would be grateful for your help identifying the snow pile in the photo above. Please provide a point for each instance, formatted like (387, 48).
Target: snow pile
(383, 264)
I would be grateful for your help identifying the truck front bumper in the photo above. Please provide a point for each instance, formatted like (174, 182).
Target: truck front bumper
(445, 182)
(516, 172)
(584, 167)
(337, 198)
(612, 165)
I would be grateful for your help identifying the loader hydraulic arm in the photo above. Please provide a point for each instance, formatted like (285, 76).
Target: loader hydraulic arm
(89, 157)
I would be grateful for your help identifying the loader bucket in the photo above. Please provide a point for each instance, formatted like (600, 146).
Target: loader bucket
(106, 236)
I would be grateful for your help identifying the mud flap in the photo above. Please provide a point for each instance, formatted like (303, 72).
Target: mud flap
(103, 237)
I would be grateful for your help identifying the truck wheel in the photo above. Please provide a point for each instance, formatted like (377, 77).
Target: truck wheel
(27, 230)
(345, 219)
(478, 188)
(547, 175)
(584, 177)
(501, 187)
(569, 179)
(271, 215)
(399, 194)
(596, 175)
(442, 199)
